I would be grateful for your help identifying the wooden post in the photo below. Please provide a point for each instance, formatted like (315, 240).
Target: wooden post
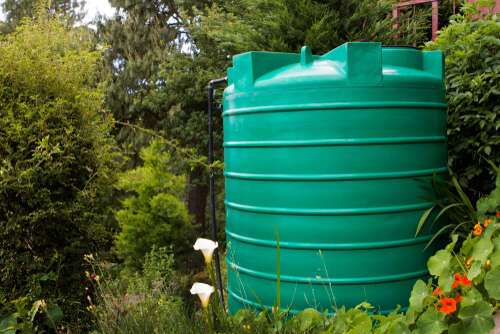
(435, 10)
(395, 15)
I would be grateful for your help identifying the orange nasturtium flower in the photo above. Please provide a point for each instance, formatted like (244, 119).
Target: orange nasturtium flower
(460, 280)
(477, 229)
(438, 291)
(458, 297)
(486, 222)
(448, 305)
(469, 263)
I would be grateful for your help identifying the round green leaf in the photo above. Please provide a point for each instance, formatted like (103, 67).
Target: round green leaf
(477, 318)
(474, 270)
(482, 250)
(492, 283)
(308, 318)
(439, 262)
(418, 294)
(432, 322)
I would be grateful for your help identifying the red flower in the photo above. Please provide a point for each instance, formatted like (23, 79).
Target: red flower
(458, 297)
(498, 214)
(438, 291)
(460, 280)
(448, 305)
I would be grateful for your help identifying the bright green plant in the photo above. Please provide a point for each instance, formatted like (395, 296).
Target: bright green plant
(458, 208)
(154, 213)
(56, 163)
(472, 61)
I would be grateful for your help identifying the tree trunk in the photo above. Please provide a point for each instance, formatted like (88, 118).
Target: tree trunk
(197, 196)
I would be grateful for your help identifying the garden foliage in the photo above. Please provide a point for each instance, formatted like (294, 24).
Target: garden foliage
(56, 163)
(146, 302)
(472, 61)
(154, 213)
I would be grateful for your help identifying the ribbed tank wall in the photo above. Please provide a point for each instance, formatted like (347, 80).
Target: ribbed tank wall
(336, 152)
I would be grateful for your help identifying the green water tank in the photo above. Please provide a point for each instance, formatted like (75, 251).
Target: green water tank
(336, 151)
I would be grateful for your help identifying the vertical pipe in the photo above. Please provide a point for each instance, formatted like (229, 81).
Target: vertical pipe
(211, 178)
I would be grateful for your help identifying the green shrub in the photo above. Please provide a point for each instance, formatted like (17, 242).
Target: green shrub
(472, 81)
(141, 302)
(56, 169)
(153, 214)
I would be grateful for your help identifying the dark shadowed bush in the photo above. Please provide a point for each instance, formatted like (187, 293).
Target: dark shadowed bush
(472, 81)
(55, 163)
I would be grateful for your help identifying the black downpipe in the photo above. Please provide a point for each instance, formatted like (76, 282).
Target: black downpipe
(211, 177)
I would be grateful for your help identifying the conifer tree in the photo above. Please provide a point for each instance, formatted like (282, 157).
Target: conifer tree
(16, 10)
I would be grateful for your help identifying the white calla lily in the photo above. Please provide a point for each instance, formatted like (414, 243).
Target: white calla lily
(207, 247)
(203, 291)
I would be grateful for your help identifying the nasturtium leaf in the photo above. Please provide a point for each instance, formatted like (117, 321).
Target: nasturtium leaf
(477, 318)
(308, 318)
(492, 283)
(456, 328)
(468, 244)
(399, 327)
(496, 242)
(418, 294)
(495, 258)
(446, 280)
(432, 322)
(482, 250)
(471, 297)
(360, 322)
(474, 270)
(439, 262)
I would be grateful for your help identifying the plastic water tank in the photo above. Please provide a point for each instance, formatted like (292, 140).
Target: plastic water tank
(335, 151)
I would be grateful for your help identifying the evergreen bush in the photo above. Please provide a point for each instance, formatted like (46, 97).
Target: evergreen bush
(472, 60)
(56, 163)
(154, 213)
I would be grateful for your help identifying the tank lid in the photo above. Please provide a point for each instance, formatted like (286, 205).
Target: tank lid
(353, 64)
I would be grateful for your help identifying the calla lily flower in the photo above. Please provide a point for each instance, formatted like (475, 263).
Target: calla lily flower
(203, 291)
(207, 247)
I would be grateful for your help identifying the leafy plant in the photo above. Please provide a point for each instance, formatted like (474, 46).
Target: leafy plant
(31, 320)
(142, 302)
(153, 213)
(458, 208)
(56, 163)
(472, 73)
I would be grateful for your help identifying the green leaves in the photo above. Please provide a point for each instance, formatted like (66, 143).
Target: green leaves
(153, 213)
(472, 76)
(439, 265)
(482, 249)
(492, 283)
(431, 322)
(57, 163)
(308, 318)
(418, 294)
(477, 318)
